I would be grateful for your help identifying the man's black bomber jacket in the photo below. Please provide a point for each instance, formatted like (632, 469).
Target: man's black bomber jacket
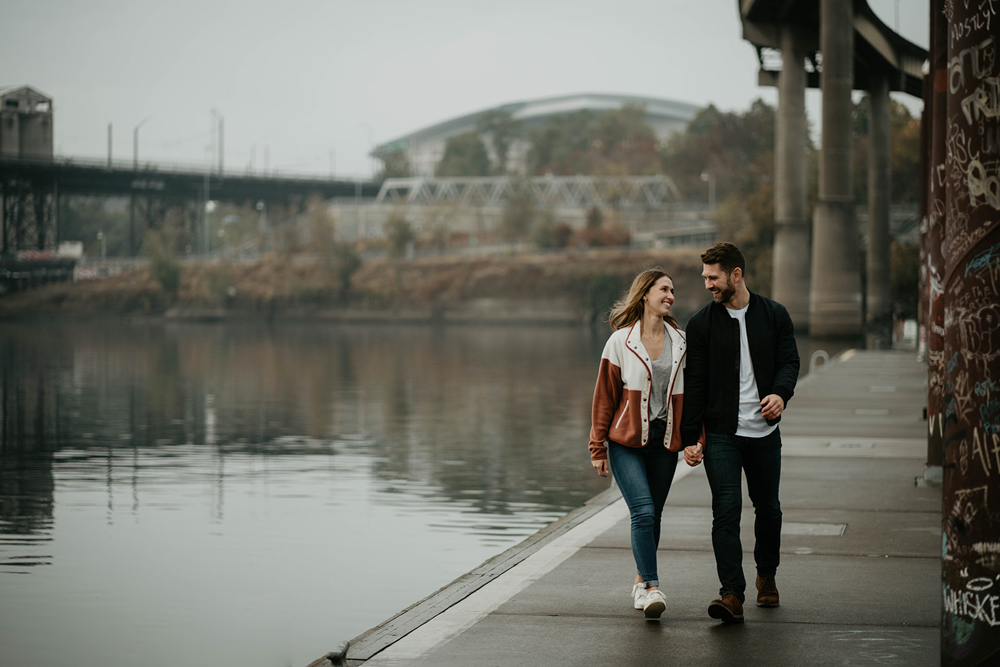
(712, 375)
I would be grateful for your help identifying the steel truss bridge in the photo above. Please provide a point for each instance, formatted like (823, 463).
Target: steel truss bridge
(30, 191)
(621, 192)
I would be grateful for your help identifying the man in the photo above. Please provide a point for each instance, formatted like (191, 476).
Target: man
(741, 371)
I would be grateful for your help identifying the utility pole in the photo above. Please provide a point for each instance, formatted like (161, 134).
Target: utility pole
(109, 145)
(219, 131)
(204, 211)
(222, 141)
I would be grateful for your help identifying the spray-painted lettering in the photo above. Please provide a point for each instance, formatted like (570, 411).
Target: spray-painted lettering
(981, 57)
(981, 450)
(985, 388)
(984, 260)
(963, 395)
(973, 605)
(982, 103)
(983, 184)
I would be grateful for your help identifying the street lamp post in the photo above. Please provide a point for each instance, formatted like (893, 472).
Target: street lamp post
(705, 176)
(262, 223)
(135, 143)
(209, 207)
(104, 245)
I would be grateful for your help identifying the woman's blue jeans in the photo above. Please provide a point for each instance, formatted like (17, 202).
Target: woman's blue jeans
(644, 475)
(726, 458)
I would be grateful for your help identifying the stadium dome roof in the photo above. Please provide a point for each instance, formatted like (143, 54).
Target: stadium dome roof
(662, 114)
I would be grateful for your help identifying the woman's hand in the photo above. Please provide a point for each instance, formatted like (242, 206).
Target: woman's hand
(602, 467)
(694, 454)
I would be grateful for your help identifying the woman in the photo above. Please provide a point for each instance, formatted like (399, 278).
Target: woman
(636, 417)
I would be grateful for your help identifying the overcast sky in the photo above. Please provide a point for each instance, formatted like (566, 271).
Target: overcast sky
(305, 78)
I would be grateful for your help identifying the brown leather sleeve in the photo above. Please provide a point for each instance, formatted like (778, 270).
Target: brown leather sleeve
(607, 395)
(675, 435)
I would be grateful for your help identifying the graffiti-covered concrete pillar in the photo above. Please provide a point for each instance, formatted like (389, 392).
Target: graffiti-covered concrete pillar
(790, 283)
(835, 287)
(971, 298)
(932, 239)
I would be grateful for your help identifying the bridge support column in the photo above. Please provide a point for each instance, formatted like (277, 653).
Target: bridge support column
(790, 282)
(835, 290)
(878, 303)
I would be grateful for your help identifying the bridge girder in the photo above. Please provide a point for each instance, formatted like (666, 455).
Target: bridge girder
(877, 48)
(31, 188)
(29, 215)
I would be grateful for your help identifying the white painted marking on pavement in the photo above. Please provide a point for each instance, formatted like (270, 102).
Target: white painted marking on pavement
(461, 616)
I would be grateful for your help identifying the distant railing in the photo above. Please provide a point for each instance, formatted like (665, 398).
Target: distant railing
(623, 192)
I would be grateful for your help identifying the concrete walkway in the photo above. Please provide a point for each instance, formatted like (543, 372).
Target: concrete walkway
(859, 579)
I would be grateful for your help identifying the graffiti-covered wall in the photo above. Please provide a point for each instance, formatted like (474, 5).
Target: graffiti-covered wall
(964, 278)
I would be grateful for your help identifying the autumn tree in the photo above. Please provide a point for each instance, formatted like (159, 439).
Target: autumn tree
(737, 150)
(395, 164)
(398, 234)
(616, 142)
(464, 155)
(519, 213)
(904, 142)
(499, 128)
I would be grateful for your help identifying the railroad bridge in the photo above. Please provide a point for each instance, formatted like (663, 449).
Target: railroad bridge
(32, 181)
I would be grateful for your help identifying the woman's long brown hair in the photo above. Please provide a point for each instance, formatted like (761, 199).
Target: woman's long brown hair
(629, 308)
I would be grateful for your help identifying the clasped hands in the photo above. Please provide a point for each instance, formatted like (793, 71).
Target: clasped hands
(771, 407)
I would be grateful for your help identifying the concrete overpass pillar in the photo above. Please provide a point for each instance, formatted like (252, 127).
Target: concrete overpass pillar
(790, 283)
(878, 303)
(835, 292)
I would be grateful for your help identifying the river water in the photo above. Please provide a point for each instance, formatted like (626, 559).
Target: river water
(252, 495)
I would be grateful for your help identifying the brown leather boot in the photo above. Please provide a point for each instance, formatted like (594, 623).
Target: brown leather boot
(727, 609)
(767, 592)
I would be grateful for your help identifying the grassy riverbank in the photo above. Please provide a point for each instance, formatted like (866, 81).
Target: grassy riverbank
(569, 287)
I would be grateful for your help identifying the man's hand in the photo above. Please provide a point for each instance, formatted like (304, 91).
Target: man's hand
(602, 466)
(772, 406)
(694, 454)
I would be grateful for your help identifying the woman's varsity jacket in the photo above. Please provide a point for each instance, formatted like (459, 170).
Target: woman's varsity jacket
(621, 397)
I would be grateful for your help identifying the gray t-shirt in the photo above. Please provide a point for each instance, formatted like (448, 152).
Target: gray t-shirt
(662, 365)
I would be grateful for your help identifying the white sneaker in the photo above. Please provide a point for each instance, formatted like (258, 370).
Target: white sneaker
(639, 595)
(656, 602)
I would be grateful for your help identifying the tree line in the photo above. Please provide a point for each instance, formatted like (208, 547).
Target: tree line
(736, 148)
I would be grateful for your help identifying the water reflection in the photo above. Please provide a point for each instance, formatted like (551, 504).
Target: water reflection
(458, 407)
(246, 448)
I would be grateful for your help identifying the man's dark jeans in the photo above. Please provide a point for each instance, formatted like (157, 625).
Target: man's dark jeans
(760, 458)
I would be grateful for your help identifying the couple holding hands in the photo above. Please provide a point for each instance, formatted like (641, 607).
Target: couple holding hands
(715, 392)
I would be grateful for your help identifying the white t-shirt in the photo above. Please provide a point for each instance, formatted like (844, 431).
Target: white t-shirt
(751, 422)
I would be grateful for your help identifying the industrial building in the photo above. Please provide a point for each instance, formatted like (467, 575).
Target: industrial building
(25, 123)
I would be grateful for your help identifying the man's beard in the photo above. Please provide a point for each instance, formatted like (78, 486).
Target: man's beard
(724, 295)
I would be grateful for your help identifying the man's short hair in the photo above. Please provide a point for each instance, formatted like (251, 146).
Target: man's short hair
(727, 256)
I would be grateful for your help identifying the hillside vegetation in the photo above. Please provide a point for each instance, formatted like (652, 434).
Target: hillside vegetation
(559, 287)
